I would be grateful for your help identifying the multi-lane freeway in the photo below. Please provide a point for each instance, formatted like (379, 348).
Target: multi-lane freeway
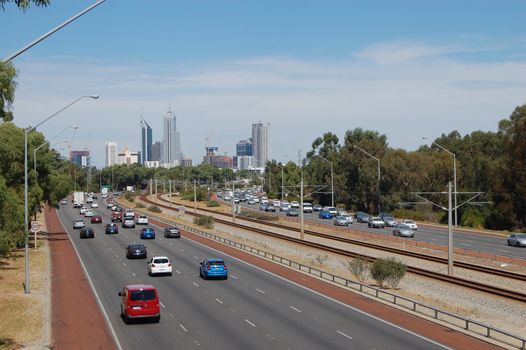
(253, 309)
(437, 235)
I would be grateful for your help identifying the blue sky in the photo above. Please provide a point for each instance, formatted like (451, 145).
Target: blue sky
(404, 68)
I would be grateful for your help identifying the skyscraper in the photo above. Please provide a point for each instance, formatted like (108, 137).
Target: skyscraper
(80, 158)
(260, 144)
(244, 148)
(111, 153)
(157, 151)
(171, 140)
(146, 133)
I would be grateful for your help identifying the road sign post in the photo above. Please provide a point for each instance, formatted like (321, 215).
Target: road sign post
(35, 226)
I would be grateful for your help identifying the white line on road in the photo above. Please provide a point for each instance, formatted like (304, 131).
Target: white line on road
(250, 323)
(182, 327)
(234, 277)
(164, 307)
(116, 256)
(124, 264)
(178, 272)
(133, 273)
(345, 335)
(259, 290)
(182, 250)
(196, 257)
(293, 308)
(195, 284)
(219, 301)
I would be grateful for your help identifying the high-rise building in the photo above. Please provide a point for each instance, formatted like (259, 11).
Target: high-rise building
(80, 158)
(111, 153)
(146, 135)
(171, 140)
(186, 161)
(260, 144)
(244, 148)
(245, 162)
(157, 151)
(127, 157)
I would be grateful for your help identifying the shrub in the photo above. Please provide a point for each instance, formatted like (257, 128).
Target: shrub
(473, 218)
(129, 196)
(212, 203)
(387, 272)
(204, 221)
(359, 267)
(320, 259)
(139, 205)
(154, 209)
(258, 216)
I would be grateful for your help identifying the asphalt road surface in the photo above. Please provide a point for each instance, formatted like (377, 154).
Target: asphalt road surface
(436, 235)
(253, 309)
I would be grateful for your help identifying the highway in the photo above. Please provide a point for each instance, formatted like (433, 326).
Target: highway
(437, 235)
(253, 309)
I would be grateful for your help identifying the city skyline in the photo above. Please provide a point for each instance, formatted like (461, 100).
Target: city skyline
(431, 69)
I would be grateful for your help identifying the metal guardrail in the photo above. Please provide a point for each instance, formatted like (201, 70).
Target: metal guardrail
(476, 327)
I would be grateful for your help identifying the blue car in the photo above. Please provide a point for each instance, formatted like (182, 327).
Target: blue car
(112, 228)
(147, 233)
(213, 267)
(325, 214)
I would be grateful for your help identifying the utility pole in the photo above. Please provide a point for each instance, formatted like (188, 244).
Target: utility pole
(449, 232)
(151, 185)
(170, 186)
(233, 204)
(195, 197)
(302, 236)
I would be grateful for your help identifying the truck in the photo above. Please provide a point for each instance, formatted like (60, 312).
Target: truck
(104, 192)
(78, 199)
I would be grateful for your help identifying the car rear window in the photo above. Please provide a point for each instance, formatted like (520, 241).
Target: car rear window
(147, 294)
(216, 262)
(161, 261)
(136, 246)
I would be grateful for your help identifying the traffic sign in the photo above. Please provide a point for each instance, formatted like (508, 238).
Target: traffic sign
(182, 209)
(35, 226)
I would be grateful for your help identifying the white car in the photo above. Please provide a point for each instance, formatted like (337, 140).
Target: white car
(332, 210)
(307, 208)
(159, 265)
(284, 206)
(128, 223)
(89, 200)
(83, 210)
(294, 205)
(410, 223)
(94, 205)
(78, 224)
(348, 217)
(376, 222)
(88, 213)
(142, 220)
(255, 199)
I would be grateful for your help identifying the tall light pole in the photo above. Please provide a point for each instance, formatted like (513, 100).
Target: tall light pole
(332, 177)
(282, 183)
(26, 219)
(379, 175)
(48, 141)
(454, 174)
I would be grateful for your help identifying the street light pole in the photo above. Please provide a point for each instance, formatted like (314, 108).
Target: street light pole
(332, 177)
(454, 174)
(379, 175)
(26, 211)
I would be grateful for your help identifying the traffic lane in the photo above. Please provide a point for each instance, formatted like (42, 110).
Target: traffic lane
(473, 241)
(289, 310)
(282, 322)
(108, 274)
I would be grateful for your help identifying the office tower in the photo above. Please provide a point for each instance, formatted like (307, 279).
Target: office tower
(146, 135)
(260, 144)
(127, 157)
(111, 153)
(157, 151)
(80, 158)
(244, 148)
(171, 140)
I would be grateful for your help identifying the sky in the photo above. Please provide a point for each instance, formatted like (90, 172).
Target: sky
(405, 68)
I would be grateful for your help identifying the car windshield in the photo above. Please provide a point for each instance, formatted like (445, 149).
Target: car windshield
(148, 294)
(409, 222)
(161, 261)
(404, 227)
(387, 218)
(521, 236)
(78, 221)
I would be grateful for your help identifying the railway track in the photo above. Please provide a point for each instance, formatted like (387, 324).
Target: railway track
(422, 272)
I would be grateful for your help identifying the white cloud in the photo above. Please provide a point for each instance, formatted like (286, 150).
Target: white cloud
(386, 87)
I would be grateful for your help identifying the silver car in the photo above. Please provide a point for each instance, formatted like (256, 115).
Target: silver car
(517, 239)
(403, 230)
(78, 224)
(390, 221)
(341, 221)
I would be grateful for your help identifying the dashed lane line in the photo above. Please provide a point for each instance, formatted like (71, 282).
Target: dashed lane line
(164, 307)
(250, 323)
(261, 291)
(295, 309)
(183, 328)
(234, 277)
(345, 335)
(134, 275)
(195, 284)
(219, 301)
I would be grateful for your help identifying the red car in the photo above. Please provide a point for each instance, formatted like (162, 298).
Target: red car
(96, 219)
(140, 301)
(116, 216)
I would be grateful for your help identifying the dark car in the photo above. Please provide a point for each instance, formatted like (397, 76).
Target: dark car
(384, 215)
(360, 216)
(270, 207)
(293, 212)
(112, 228)
(317, 207)
(136, 251)
(325, 214)
(97, 219)
(213, 267)
(87, 232)
(172, 232)
(147, 233)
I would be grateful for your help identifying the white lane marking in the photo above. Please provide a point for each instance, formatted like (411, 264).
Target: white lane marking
(250, 323)
(195, 284)
(181, 250)
(234, 277)
(171, 243)
(259, 290)
(116, 256)
(295, 309)
(345, 335)
(164, 307)
(321, 295)
(178, 272)
(124, 264)
(219, 301)
(196, 257)
(182, 327)
(133, 273)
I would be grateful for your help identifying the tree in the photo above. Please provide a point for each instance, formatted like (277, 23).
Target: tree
(25, 4)
(7, 90)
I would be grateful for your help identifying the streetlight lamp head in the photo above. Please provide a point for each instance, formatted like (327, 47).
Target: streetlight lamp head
(424, 138)
(75, 127)
(93, 96)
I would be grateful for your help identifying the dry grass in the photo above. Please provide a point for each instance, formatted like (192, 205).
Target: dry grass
(22, 315)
